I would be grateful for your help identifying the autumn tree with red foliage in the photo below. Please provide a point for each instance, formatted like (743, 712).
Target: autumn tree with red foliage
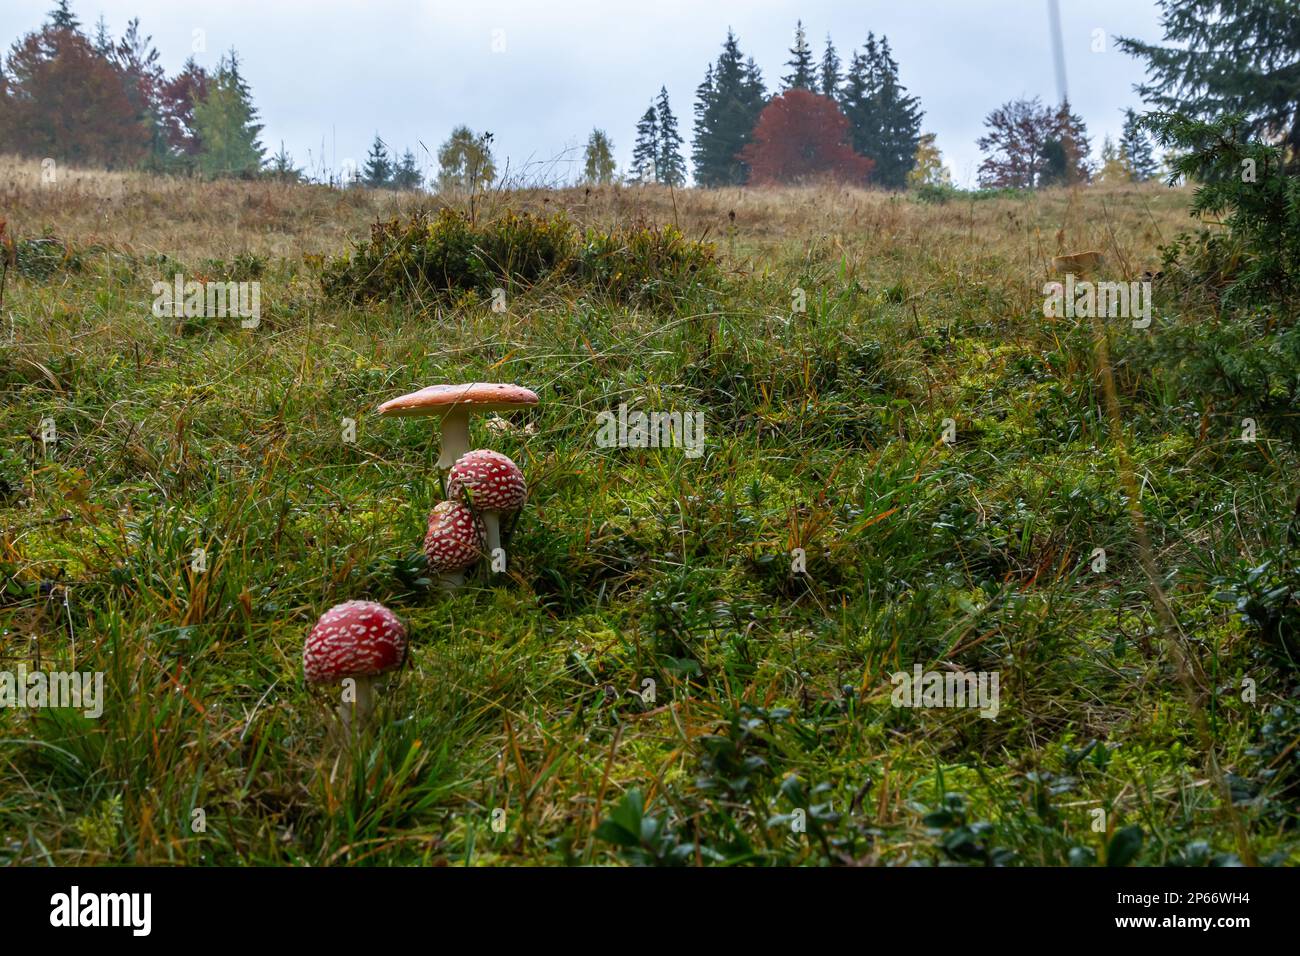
(176, 99)
(63, 99)
(801, 137)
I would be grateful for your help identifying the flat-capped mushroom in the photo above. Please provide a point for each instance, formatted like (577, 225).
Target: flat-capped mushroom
(493, 484)
(454, 542)
(358, 640)
(454, 404)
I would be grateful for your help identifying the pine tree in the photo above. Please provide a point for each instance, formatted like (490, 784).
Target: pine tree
(1228, 56)
(727, 107)
(1136, 149)
(378, 171)
(598, 160)
(671, 165)
(406, 173)
(226, 123)
(645, 153)
(830, 71)
(802, 75)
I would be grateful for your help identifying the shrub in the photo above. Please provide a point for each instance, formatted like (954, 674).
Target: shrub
(12, 475)
(450, 255)
(39, 259)
(645, 263)
(438, 257)
(936, 194)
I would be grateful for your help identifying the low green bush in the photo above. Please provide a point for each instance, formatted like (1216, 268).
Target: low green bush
(450, 255)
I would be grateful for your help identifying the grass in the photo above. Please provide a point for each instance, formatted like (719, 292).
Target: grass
(650, 683)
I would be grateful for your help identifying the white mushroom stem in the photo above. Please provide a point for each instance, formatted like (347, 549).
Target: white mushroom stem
(362, 707)
(455, 437)
(492, 532)
(451, 580)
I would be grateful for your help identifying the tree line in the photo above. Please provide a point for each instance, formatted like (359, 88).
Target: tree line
(104, 101)
(856, 122)
(97, 100)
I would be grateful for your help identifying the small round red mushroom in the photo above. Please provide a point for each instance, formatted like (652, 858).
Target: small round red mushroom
(453, 542)
(358, 640)
(493, 484)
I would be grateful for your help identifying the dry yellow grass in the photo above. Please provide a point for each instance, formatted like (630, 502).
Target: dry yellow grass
(145, 214)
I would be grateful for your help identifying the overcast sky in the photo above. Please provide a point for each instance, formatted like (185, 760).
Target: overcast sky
(328, 74)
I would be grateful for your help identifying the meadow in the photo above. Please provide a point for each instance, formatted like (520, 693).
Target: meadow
(656, 679)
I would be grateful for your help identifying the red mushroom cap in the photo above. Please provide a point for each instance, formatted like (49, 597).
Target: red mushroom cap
(492, 480)
(455, 537)
(471, 397)
(353, 639)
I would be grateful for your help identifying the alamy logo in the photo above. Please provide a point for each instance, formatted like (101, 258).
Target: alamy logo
(651, 430)
(103, 909)
(38, 689)
(212, 300)
(1102, 300)
(922, 688)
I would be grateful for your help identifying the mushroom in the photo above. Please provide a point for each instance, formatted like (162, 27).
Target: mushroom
(454, 404)
(453, 542)
(493, 484)
(358, 640)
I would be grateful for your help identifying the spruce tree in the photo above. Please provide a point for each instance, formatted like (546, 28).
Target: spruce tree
(802, 73)
(61, 18)
(406, 174)
(856, 96)
(861, 97)
(727, 107)
(378, 171)
(886, 120)
(1228, 56)
(598, 159)
(900, 125)
(705, 109)
(1136, 149)
(671, 166)
(103, 41)
(830, 71)
(645, 153)
(281, 167)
